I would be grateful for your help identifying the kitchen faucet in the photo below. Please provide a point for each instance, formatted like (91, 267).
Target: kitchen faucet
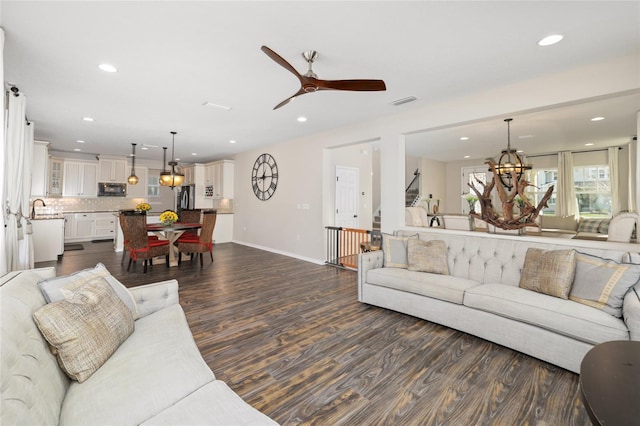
(33, 208)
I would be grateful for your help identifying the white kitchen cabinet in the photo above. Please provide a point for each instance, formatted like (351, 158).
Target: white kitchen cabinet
(55, 176)
(79, 226)
(105, 225)
(48, 239)
(223, 231)
(80, 179)
(39, 169)
(219, 174)
(139, 190)
(189, 175)
(112, 170)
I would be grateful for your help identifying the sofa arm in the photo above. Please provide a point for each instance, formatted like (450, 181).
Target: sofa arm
(156, 296)
(366, 262)
(631, 312)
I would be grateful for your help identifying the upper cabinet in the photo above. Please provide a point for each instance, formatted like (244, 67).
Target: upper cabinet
(112, 170)
(219, 176)
(39, 170)
(55, 176)
(80, 179)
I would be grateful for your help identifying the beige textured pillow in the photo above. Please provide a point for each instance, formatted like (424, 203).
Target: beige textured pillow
(427, 256)
(549, 271)
(85, 330)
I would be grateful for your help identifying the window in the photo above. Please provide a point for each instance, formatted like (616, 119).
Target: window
(153, 186)
(541, 180)
(593, 190)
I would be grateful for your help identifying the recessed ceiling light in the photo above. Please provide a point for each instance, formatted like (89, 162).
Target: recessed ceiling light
(525, 136)
(144, 148)
(588, 144)
(520, 151)
(80, 141)
(194, 153)
(464, 138)
(302, 119)
(549, 40)
(77, 149)
(597, 119)
(467, 156)
(232, 141)
(107, 68)
(88, 119)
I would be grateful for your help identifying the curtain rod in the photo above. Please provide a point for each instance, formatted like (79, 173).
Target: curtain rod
(16, 92)
(573, 152)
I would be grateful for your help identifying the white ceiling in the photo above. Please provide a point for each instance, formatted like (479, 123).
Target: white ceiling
(174, 56)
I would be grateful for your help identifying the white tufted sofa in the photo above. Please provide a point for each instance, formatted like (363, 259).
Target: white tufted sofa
(481, 295)
(156, 377)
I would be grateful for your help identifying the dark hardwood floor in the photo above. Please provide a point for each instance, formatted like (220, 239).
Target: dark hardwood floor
(291, 339)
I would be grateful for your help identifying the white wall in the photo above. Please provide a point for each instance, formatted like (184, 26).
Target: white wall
(434, 182)
(277, 225)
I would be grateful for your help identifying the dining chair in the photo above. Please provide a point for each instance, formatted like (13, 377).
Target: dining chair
(140, 245)
(125, 231)
(191, 243)
(191, 216)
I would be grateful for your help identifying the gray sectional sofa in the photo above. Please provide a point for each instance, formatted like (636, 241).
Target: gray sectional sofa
(155, 377)
(481, 295)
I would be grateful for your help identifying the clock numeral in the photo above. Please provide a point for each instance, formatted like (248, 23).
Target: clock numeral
(272, 187)
(274, 175)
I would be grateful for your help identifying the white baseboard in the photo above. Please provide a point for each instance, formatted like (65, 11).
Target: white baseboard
(285, 253)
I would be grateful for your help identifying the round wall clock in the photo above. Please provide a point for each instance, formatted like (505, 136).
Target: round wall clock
(264, 177)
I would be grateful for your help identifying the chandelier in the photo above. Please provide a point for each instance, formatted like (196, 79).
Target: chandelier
(510, 162)
(133, 179)
(174, 177)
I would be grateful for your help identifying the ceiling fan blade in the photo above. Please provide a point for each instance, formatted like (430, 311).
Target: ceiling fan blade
(354, 85)
(289, 99)
(280, 61)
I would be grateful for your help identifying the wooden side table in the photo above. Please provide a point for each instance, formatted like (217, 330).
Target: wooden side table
(610, 383)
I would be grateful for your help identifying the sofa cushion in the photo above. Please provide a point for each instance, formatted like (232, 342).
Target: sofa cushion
(427, 256)
(29, 371)
(443, 287)
(548, 271)
(216, 403)
(158, 365)
(395, 251)
(561, 316)
(603, 283)
(52, 288)
(85, 330)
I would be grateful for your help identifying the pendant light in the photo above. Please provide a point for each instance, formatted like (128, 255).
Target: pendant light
(133, 179)
(174, 177)
(510, 161)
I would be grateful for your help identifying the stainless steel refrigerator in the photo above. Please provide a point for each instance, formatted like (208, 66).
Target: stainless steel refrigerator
(186, 198)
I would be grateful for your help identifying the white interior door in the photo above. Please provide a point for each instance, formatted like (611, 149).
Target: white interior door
(347, 190)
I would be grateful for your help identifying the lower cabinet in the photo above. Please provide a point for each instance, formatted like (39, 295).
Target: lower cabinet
(48, 239)
(87, 226)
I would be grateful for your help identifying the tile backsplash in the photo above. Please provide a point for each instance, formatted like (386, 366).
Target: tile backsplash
(61, 205)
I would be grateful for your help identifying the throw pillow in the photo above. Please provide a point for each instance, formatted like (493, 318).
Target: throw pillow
(603, 283)
(395, 251)
(589, 225)
(549, 271)
(427, 256)
(85, 330)
(59, 288)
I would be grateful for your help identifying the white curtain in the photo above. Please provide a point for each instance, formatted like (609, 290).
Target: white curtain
(614, 179)
(3, 254)
(566, 202)
(17, 172)
(633, 170)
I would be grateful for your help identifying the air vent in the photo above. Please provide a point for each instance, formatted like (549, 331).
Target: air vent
(403, 100)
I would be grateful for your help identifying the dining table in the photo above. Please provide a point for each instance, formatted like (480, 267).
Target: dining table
(171, 233)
